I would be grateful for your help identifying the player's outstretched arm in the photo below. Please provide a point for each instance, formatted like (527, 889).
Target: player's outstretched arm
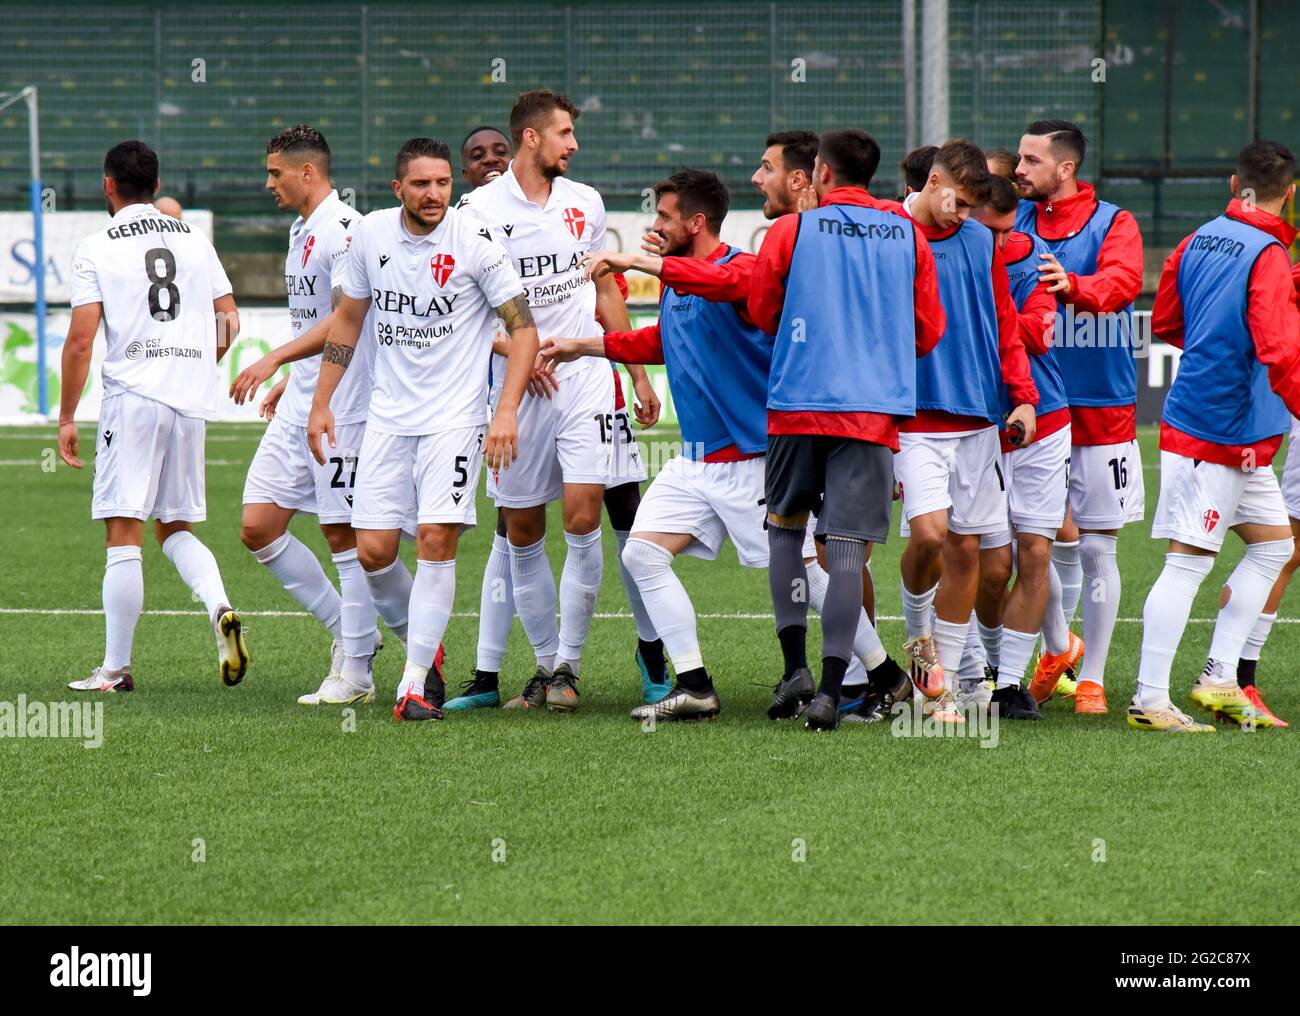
(227, 318)
(603, 264)
(308, 344)
(555, 351)
(502, 445)
(77, 349)
(344, 332)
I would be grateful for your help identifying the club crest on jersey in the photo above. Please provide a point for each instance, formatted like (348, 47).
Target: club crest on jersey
(1211, 519)
(575, 221)
(442, 266)
(306, 250)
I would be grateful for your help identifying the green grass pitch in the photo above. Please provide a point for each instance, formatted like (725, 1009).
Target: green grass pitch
(499, 817)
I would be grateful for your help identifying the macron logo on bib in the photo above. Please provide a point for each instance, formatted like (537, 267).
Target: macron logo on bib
(306, 250)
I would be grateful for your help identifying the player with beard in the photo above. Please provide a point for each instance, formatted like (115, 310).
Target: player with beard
(833, 416)
(784, 180)
(718, 365)
(434, 282)
(547, 223)
(485, 155)
(1095, 269)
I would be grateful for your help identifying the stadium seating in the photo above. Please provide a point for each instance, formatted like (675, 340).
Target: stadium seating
(661, 84)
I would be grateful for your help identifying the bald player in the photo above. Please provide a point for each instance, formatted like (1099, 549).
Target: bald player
(168, 206)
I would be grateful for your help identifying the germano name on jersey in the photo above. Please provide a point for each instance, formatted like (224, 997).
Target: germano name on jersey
(156, 280)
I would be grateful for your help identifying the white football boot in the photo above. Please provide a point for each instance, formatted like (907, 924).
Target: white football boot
(105, 680)
(336, 690)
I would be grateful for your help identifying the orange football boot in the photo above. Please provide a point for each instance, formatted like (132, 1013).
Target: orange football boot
(1050, 668)
(1090, 699)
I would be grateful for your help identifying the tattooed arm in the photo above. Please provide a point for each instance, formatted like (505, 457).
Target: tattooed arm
(502, 444)
(340, 343)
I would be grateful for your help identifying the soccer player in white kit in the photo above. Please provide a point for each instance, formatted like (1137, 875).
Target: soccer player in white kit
(437, 286)
(484, 156)
(169, 315)
(284, 478)
(547, 223)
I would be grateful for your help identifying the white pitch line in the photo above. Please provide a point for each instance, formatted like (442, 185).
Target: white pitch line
(53, 439)
(32, 463)
(617, 616)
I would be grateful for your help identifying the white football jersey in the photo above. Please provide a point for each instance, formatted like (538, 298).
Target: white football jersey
(433, 298)
(547, 245)
(156, 278)
(312, 269)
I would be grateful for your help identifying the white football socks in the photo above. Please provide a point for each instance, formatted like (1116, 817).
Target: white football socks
(991, 640)
(412, 680)
(917, 611)
(1100, 604)
(123, 601)
(671, 611)
(433, 594)
(198, 570)
(298, 570)
(645, 629)
(1056, 633)
(584, 565)
(357, 610)
(950, 640)
(1164, 619)
(534, 593)
(1016, 651)
(390, 592)
(1254, 646)
(1065, 560)
(1249, 584)
(972, 659)
(358, 617)
(496, 607)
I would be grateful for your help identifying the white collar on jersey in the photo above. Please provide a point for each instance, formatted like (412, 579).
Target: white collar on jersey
(434, 237)
(321, 211)
(133, 209)
(512, 182)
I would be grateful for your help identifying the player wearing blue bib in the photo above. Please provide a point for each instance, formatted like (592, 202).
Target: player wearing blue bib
(1095, 271)
(1226, 297)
